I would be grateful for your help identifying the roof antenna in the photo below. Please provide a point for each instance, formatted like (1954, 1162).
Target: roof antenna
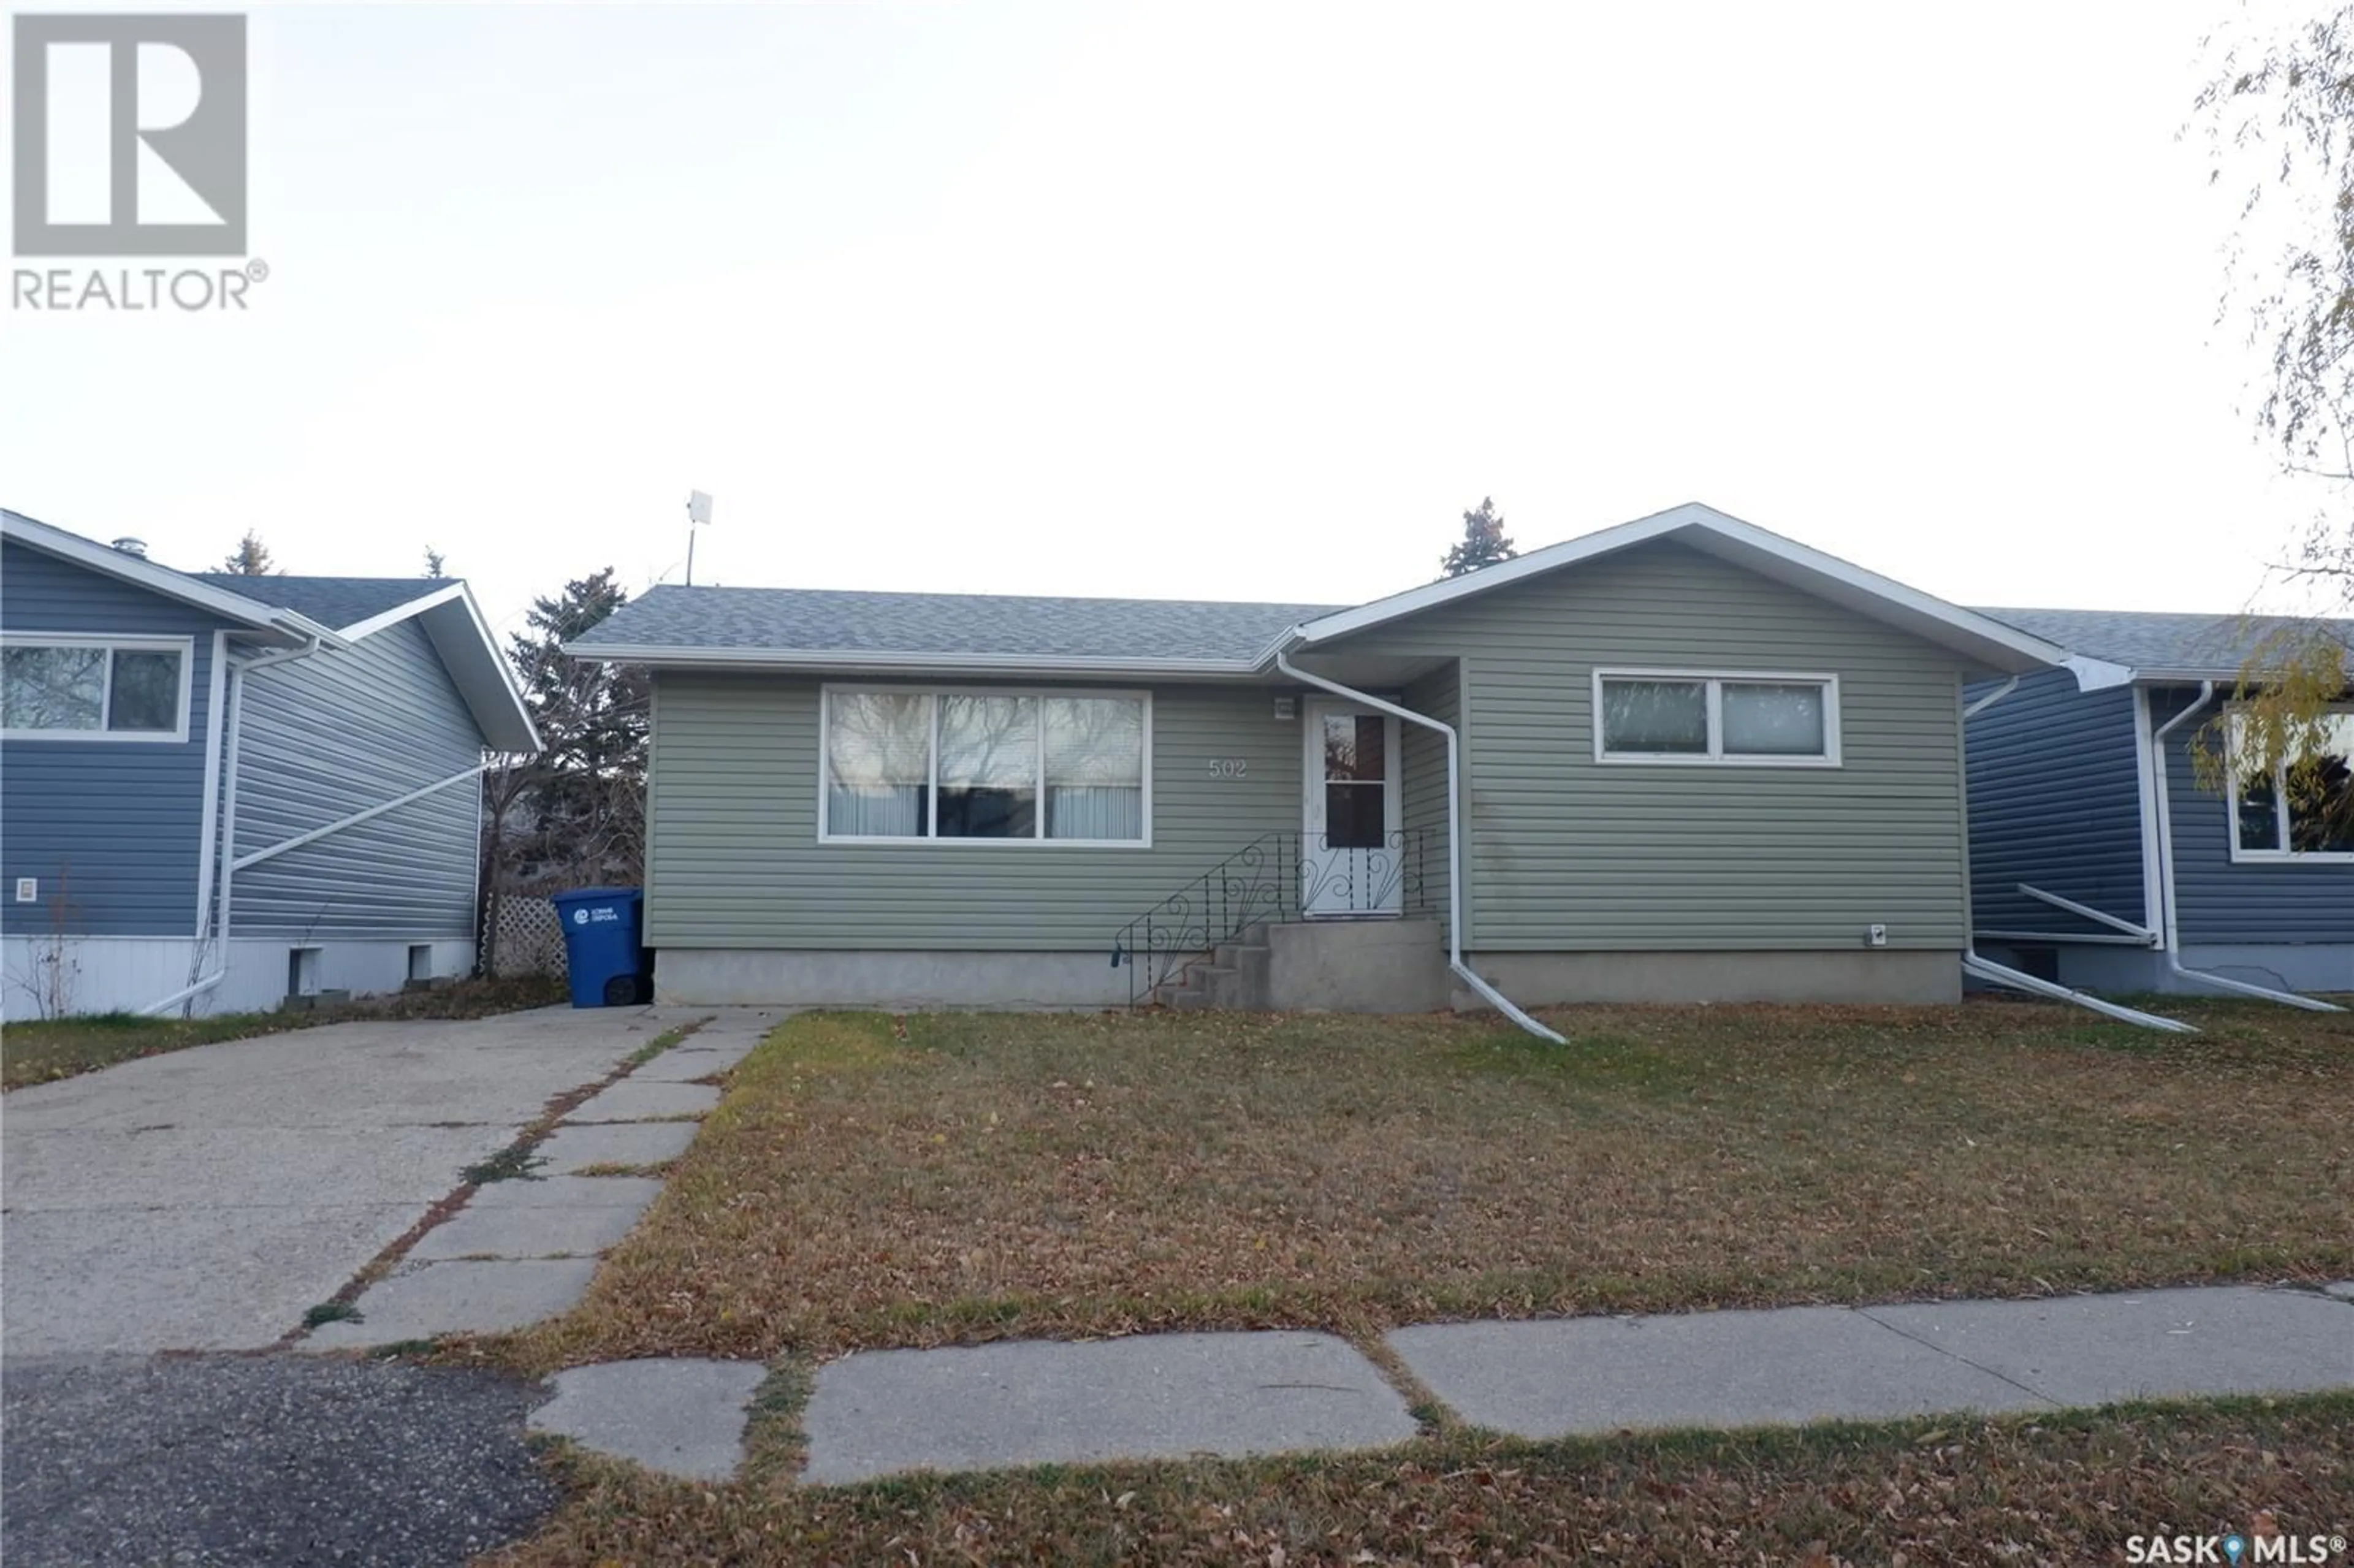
(699, 511)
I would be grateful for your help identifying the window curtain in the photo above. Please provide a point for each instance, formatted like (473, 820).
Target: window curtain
(1095, 768)
(878, 764)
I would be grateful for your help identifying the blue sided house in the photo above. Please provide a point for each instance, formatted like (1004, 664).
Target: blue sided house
(217, 792)
(2097, 860)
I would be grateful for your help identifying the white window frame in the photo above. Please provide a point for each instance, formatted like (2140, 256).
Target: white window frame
(186, 647)
(2283, 855)
(826, 835)
(1713, 683)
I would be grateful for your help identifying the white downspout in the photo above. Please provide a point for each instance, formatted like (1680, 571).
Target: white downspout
(2156, 762)
(237, 670)
(1462, 971)
(2010, 978)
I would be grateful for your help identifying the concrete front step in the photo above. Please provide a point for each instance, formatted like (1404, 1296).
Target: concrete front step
(1320, 966)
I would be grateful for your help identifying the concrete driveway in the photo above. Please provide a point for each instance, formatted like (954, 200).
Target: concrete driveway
(207, 1199)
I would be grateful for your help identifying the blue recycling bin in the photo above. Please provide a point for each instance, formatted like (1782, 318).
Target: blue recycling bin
(602, 945)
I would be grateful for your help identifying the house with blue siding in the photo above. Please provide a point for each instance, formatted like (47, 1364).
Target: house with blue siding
(219, 790)
(2095, 857)
(1684, 759)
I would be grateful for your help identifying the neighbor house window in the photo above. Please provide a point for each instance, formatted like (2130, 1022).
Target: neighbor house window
(90, 688)
(999, 765)
(1677, 715)
(2302, 810)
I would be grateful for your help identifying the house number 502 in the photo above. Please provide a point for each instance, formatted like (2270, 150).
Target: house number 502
(1230, 767)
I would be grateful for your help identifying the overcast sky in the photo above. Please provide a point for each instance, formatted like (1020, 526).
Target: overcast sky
(1244, 301)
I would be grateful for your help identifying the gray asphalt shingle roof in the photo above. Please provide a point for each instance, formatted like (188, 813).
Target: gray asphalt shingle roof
(2204, 645)
(335, 602)
(815, 620)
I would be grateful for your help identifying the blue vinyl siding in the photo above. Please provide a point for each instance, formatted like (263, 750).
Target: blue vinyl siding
(2223, 901)
(110, 828)
(326, 737)
(2055, 802)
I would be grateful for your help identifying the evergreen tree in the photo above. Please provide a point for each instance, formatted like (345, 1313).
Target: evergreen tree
(575, 812)
(250, 558)
(1483, 543)
(435, 566)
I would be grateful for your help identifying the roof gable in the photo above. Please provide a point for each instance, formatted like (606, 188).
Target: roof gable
(1985, 642)
(335, 612)
(256, 620)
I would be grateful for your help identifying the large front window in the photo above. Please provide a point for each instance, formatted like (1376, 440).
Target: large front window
(1674, 716)
(1041, 766)
(2302, 810)
(77, 688)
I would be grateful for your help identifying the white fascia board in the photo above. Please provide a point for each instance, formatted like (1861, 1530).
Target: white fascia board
(2000, 646)
(471, 652)
(140, 572)
(862, 659)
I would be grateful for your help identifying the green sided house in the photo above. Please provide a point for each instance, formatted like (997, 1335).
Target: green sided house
(1680, 759)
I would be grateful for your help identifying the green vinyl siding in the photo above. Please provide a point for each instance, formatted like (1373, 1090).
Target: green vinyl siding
(1422, 777)
(1566, 853)
(733, 861)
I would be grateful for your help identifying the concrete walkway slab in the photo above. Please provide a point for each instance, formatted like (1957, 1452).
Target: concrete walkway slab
(1584, 1375)
(577, 1232)
(878, 1412)
(2094, 1350)
(679, 1416)
(574, 1148)
(207, 1198)
(630, 1100)
(687, 1064)
(99, 1280)
(567, 1192)
(419, 1303)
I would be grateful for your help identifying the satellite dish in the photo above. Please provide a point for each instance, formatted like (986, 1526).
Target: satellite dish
(699, 506)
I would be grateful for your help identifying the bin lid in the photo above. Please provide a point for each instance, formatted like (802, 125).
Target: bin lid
(578, 893)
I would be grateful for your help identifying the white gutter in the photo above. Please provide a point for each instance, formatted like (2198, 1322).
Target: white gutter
(2156, 762)
(2004, 975)
(237, 669)
(2140, 933)
(215, 743)
(340, 823)
(1462, 971)
(1991, 699)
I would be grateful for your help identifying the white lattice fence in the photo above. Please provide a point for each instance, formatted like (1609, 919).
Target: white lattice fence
(526, 937)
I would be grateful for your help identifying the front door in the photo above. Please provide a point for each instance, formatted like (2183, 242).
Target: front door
(1351, 861)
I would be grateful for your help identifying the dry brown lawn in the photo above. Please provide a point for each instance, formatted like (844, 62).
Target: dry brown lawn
(875, 1181)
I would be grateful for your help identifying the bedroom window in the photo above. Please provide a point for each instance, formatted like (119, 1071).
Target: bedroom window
(94, 688)
(1690, 716)
(2302, 811)
(985, 765)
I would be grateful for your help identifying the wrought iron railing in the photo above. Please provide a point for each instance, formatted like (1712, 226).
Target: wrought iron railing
(1276, 876)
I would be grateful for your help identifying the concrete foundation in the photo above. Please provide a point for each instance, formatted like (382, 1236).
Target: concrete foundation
(908, 981)
(1882, 976)
(2110, 969)
(129, 974)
